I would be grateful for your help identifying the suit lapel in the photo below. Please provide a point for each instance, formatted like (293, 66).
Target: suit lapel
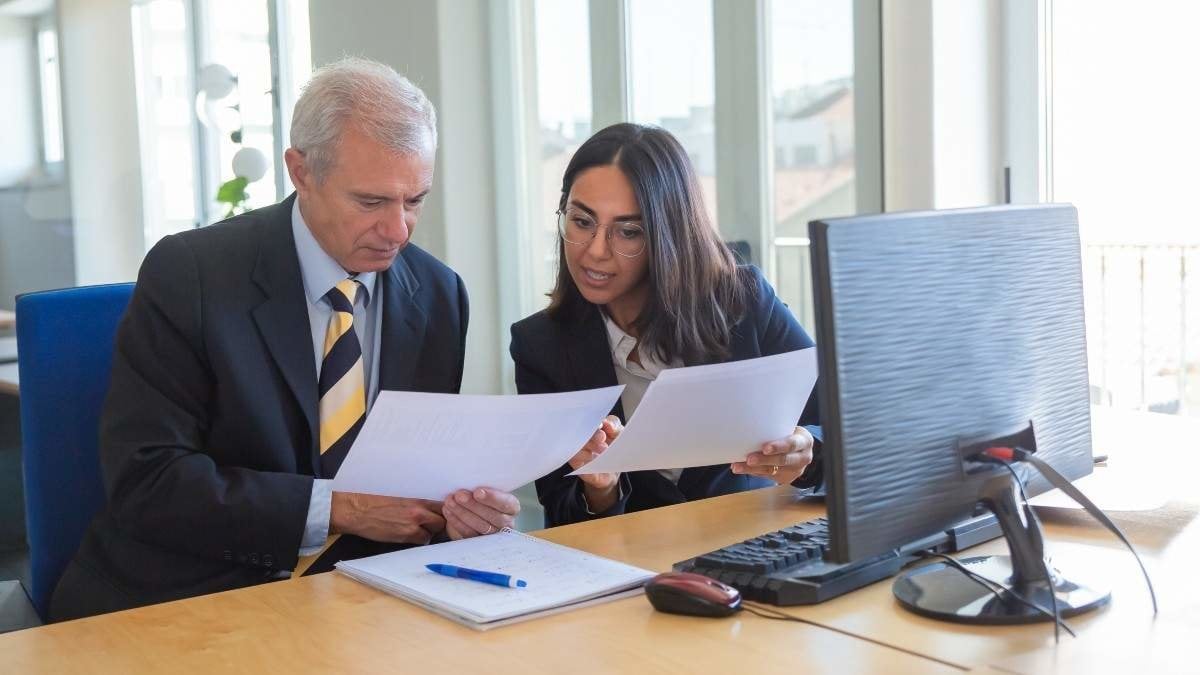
(590, 358)
(282, 318)
(404, 324)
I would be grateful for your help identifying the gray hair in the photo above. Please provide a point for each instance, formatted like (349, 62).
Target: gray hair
(382, 103)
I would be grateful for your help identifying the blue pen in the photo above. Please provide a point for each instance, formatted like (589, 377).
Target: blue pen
(494, 578)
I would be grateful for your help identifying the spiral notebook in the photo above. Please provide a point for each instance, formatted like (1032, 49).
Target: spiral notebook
(559, 578)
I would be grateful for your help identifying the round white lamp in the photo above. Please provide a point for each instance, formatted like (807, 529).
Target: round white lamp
(249, 163)
(215, 81)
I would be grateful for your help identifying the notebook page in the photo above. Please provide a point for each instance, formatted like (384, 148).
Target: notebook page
(557, 575)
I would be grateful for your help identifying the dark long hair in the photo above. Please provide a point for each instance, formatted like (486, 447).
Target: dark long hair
(697, 293)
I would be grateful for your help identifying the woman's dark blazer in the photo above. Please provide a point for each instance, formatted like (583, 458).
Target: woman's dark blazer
(571, 354)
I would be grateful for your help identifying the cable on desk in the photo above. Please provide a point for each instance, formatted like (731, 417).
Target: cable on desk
(768, 612)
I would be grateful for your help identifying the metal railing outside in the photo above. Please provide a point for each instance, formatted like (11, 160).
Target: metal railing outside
(1142, 305)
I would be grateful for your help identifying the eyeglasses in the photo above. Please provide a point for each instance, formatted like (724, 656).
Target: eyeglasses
(579, 228)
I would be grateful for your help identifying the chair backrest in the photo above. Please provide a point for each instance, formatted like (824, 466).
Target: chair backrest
(64, 347)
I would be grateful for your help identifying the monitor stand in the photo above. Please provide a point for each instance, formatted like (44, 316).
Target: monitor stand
(940, 591)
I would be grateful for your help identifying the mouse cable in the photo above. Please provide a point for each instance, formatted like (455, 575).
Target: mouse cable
(774, 613)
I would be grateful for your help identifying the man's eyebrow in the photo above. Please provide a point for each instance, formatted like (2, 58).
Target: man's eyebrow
(370, 196)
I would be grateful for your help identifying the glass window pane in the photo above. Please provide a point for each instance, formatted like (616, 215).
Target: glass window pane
(671, 66)
(812, 104)
(52, 136)
(165, 113)
(564, 108)
(236, 36)
(812, 100)
(1128, 166)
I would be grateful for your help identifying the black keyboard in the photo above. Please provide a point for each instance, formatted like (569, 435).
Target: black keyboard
(788, 566)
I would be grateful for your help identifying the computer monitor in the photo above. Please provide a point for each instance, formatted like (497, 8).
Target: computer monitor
(941, 333)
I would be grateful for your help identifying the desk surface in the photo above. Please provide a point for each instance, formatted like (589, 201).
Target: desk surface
(328, 622)
(1154, 451)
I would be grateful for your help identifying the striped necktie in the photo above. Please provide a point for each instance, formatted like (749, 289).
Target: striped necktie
(343, 399)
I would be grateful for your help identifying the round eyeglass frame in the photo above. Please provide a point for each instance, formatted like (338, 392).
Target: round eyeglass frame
(560, 217)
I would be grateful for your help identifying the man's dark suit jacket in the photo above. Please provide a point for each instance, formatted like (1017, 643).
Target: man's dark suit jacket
(573, 353)
(208, 438)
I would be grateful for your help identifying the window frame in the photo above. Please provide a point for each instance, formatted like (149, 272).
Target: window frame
(743, 116)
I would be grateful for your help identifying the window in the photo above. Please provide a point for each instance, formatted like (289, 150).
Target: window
(187, 140)
(1123, 138)
(813, 121)
(762, 95)
(564, 112)
(235, 34)
(812, 106)
(52, 129)
(167, 127)
(671, 68)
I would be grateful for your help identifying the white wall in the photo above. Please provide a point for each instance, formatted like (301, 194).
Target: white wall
(443, 47)
(468, 186)
(966, 115)
(101, 135)
(943, 112)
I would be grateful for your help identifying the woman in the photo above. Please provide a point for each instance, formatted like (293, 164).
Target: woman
(645, 283)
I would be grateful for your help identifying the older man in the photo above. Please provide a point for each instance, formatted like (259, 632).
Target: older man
(253, 349)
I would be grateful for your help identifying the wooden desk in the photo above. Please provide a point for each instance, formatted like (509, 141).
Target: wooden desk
(1155, 450)
(328, 622)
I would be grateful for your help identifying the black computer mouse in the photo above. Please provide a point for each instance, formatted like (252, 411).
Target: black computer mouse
(692, 594)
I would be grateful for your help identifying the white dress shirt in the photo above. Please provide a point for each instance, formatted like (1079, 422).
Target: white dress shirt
(636, 377)
(320, 273)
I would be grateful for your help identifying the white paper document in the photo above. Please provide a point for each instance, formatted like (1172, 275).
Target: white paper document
(558, 578)
(429, 445)
(712, 414)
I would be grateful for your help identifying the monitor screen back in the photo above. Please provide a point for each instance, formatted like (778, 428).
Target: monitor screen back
(936, 329)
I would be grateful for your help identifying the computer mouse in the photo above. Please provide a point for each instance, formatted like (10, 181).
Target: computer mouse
(692, 594)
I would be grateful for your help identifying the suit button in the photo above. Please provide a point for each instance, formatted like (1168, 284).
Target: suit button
(228, 554)
(253, 558)
(268, 560)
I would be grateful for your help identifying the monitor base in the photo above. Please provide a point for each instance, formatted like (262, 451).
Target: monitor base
(940, 591)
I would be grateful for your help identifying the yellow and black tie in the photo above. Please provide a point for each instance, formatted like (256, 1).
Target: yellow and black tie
(341, 385)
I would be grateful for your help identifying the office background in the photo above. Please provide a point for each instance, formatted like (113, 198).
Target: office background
(113, 137)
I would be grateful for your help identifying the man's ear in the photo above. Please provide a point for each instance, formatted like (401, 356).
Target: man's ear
(297, 168)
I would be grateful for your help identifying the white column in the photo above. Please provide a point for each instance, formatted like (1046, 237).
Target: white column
(743, 106)
(101, 136)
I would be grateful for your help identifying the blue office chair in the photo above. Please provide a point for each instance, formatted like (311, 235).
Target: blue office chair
(64, 347)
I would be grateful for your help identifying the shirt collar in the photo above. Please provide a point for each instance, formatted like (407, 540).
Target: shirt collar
(620, 343)
(318, 270)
